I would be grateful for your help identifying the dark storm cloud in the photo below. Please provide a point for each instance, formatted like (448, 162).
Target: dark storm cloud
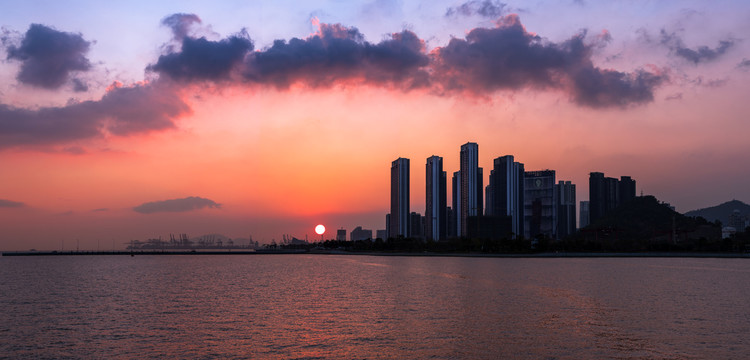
(48, 56)
(509, 58)
(180, 24)
(121, 111)
(486, 8)
(701, 54)
(340, 53)
(176, 205)
(202, 59)
(10, 204)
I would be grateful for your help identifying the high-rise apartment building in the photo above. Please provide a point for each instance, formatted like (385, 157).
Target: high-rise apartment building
(456, 196)
(399, 219)
(583, 216)
(505, 192)
(540, 204)
(470, 186)
(627, 189)
(416, 226)
(597, 194)
(435, 199)
(607, 193)
(566, 208)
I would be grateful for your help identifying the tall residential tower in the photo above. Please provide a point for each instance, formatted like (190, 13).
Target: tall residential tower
(505, 191)
(435, 199)
(469, 187)
(398, 223)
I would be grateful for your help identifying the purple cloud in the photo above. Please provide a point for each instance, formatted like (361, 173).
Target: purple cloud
(744, 64)
(701, 54)
(10, 204)
(202, 59)
(504, 58)
(121, 111)
(176, 205)
(485, 8)
(48, 57)
(488, 59)
(180, 24)
(340, 53)
(509, 58)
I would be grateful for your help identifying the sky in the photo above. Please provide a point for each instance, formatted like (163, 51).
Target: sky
(132, 120)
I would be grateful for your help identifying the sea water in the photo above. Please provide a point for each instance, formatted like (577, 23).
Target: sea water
(373, 307)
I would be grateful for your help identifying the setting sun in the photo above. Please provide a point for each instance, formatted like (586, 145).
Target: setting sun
(320, 229)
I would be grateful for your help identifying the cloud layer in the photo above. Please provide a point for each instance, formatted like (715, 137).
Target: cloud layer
(10, 204)
(176, 205)
(48, 57)
(485, 8)
(698, 55)
(488, 60)
(510, 58)
(504, 58)
(121, 111)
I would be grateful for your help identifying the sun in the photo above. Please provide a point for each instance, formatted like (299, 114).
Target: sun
(320, 229)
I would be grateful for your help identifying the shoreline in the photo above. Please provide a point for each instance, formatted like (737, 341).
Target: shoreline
(422, 254)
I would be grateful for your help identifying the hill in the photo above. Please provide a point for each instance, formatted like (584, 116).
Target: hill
(721, 212)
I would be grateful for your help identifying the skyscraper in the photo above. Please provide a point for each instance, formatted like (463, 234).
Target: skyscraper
(505, 191)
(435, 199)
(611, 194)
(566, 208)
(455, 225)
(540, 204)
(597, 194)
(399, 219)
(470, 186)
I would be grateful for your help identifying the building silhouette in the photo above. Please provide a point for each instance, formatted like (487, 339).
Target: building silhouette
(398, 222)
(607, 193)
(505, 192)
(627, 189)
(450, 217)
(540, 204)
(416, 225)
(470, 188)
(566, 208)
(360, 234)
(341, 234)
(596, 196)
(435, 199)
(455, 226)
(583, 216)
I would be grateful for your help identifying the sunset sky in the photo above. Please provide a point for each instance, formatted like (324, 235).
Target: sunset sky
(133, 120)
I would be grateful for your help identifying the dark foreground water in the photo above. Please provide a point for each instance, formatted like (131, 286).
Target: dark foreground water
(316, 306)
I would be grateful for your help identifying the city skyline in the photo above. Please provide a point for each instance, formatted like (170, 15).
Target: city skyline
(129, 121)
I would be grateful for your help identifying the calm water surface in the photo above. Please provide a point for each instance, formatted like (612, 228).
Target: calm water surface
(315, 306)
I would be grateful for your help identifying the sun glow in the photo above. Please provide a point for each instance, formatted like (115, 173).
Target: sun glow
(320, 229)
